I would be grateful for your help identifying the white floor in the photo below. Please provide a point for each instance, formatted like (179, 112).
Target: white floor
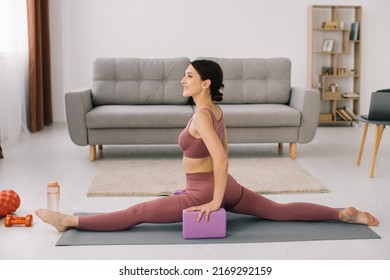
(330, 157)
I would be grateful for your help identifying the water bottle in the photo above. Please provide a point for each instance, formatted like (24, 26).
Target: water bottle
(53, 196)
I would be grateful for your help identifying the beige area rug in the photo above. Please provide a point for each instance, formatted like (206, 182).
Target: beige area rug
(146, 177)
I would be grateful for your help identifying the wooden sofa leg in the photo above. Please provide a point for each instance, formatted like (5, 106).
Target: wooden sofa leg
(100, 147)
(293, 150)
(92, 152)
(280, 147)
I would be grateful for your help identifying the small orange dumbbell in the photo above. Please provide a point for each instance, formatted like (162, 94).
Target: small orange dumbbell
(12, 220)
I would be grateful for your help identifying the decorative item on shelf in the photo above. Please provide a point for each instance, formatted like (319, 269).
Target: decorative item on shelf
(332, 92)
(333, 87)
(353, 72)
(342, 25)
(354, 33)
(330, 25)
(327, 70)
(342, 71)
(327, 45)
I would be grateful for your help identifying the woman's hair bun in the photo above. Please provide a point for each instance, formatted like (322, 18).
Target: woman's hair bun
(217, 96)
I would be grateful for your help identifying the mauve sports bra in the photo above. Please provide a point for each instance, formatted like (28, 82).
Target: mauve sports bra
(193, 147)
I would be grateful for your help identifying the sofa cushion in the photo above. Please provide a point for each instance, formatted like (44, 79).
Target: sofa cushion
(129, 81)
(255, 80)
(139, 116)
(260, 115)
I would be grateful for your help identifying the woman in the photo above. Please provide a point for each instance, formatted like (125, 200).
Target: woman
(209, 186)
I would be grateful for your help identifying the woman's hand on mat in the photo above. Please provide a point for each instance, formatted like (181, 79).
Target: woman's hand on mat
(205, 209)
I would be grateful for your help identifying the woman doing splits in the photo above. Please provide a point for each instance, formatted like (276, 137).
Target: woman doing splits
(209, 186)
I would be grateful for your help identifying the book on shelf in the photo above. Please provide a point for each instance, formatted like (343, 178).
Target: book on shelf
(349, 112)
(354, 33)
(344, 115)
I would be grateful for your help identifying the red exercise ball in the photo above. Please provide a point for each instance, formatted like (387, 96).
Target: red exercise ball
(9, 202)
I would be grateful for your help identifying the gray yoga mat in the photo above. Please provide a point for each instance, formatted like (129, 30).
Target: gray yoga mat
(240, 229)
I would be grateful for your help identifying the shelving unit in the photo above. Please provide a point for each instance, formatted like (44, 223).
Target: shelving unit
(334, 54)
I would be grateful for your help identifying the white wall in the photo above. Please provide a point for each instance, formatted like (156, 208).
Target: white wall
(82, 30)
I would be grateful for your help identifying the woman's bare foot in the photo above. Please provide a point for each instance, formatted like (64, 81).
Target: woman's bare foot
(60, 221)
(354, 216)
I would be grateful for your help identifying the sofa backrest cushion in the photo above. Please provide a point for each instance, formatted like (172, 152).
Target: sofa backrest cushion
(255, 80)
(135, 81)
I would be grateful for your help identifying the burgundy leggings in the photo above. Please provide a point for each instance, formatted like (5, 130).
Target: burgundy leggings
(199, 190)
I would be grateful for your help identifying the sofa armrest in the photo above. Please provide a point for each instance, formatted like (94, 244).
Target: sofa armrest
(77, 104)
(307, 101)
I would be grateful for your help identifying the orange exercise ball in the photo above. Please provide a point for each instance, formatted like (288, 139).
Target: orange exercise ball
(9, 202)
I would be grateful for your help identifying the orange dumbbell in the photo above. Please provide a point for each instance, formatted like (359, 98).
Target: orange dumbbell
(12, 220)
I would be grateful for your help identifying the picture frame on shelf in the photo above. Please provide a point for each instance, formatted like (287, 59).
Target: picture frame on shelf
(327, 45)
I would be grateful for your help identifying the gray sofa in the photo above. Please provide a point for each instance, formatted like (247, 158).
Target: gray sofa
(139, 101)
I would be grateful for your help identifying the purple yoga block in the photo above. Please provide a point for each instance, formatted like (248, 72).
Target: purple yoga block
(214, 228)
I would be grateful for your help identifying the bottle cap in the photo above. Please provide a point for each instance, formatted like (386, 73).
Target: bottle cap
(52, 184)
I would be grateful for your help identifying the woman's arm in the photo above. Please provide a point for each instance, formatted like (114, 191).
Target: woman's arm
(225, 142)
(203, 124)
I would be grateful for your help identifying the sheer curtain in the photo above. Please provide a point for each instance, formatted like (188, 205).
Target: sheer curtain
(13, 70)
